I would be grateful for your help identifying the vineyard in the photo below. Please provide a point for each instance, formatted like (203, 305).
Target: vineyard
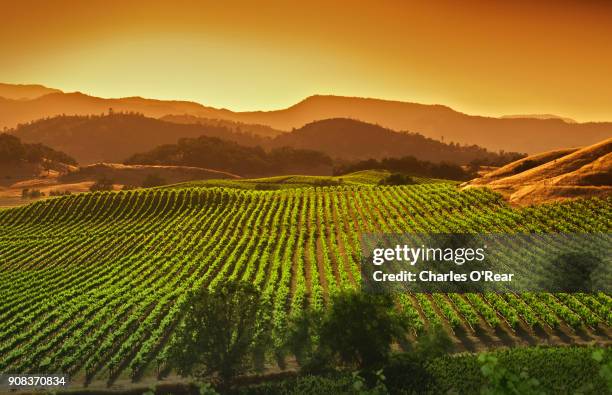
(93, 284)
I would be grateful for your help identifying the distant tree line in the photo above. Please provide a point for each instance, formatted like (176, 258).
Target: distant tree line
(115, 136)
(12, 150)
(408, 165)
(214, 153)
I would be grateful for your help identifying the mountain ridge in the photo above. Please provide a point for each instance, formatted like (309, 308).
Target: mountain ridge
(116, 136)
(437, 121)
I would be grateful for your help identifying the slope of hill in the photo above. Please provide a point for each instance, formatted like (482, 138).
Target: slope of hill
(211, 152)
(56, 179)
(555, 175)
(540, 116)
(133, 256)
(365, 178)
(434, 121)
(136, 174)
(115, 137)
(24, 92)
(20, 161)
(13, 112)
(238, 127)
(355, 140)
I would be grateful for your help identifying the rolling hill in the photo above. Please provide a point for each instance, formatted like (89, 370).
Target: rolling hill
(94, 284)
(135, 174)
(434, 121)
(237, 127)
(355, 140)
(21, 161)
(214, 153)
(114, 137)
(554, 175)
(24, 92)
(117, 136)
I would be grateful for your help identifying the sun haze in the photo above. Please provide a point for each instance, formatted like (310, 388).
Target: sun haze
(475, 56)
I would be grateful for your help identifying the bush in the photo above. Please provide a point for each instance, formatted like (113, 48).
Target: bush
(153, 180)
(31, 193)
(59, 193)
(397, 179)
(266, 186)
(103, 184)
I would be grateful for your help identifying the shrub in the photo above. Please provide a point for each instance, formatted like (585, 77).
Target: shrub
(103, 184)
(153, 180)
(397, 179)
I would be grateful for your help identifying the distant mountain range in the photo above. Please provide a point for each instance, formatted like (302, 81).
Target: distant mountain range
(117, 136)
(530, 135)
(25, 92)
(540, 116)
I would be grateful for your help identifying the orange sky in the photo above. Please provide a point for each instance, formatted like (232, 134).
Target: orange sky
(475, 56)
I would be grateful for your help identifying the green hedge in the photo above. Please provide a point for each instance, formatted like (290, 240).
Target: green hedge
(560, 370)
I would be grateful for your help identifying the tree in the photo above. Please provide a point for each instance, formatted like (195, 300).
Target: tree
(218, 332)
(103, 184)
(397, 179)
(153, 180)
(360, 328)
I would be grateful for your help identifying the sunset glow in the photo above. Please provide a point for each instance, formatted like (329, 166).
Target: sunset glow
(494, 59)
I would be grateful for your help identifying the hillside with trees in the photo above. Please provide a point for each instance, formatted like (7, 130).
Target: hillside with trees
(408, 165)
(529, 133)
(214, 153)
(13, 151)
(356, 140)
(114, 137)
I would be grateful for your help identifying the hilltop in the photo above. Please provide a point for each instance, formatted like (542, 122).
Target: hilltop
(525, 134)
(554, 175)
(540, 116)
(440, 122)
(24, 92)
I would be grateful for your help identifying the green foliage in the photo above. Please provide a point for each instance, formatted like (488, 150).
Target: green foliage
(605, 370)
(117, 268)
(360, 328)
(397, 179)
(559, 370)
(368, 178)
(408, 371)
(218, 331)
(413, 166)
(501, 381)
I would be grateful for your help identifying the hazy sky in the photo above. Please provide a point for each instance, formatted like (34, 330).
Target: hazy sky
(479, 57)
